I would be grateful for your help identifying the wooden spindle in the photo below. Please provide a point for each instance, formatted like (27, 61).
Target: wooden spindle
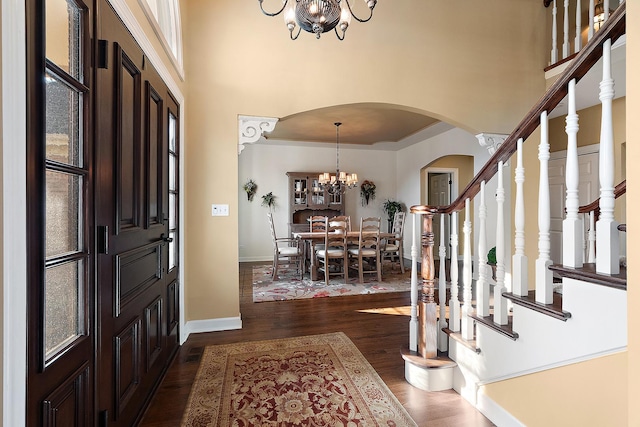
(499, 302)
(483, 291)
(467, 309)
(607, 234)
(428, 316)
(544, 278)
(413, 322)
(454, 302)
(519, 260)
(442, 287)
(572, 227)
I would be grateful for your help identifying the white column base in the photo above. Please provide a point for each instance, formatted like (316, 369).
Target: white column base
(607, 247)
(520, 282)
(429, 379)
(544, 282)
(572, 243)
(454, 315)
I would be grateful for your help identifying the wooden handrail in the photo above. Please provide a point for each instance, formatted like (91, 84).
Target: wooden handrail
(595, 205)
(612, 29)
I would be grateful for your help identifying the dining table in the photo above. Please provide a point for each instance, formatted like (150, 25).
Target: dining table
(314, 237)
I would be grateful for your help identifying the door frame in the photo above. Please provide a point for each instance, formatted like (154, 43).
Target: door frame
(453, 194)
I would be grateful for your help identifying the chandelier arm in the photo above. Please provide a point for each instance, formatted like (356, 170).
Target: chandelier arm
(338, 34)
(296, 36)
(354, 15)
(284, 4)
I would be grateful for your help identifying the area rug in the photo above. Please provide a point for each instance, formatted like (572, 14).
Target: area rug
(317, 380)
(289, 285)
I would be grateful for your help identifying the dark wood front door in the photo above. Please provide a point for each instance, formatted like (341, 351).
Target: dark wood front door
(137, 302)
(102, 214)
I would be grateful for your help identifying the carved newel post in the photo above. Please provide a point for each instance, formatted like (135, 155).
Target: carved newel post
(428, 336)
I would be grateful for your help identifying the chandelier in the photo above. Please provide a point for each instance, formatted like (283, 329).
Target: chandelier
(318, 16)
(338, 183)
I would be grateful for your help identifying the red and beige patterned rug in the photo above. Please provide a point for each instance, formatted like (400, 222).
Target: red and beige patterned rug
(317, 380)
(289, 285)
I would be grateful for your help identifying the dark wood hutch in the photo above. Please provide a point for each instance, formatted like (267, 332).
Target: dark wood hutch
(307, 199)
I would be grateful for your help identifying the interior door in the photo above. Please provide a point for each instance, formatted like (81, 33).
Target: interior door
(137, 301)
(588, 188)
(440, 195)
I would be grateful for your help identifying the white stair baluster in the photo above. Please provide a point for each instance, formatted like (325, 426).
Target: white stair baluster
(467, 309)
(607, 234)
(443, 339)
(544, 278)
(519, 259)
(566, 48)
(577, 45)
(454, 302)
(572, 227)
(499, 302)
(554, 34)
(591, 238)
(483, 291)
(413, 322)
(592, 8)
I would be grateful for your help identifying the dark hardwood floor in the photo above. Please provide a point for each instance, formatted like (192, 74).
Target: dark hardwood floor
(378, 325)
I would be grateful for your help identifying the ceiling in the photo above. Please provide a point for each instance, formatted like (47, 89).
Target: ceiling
(362, 124)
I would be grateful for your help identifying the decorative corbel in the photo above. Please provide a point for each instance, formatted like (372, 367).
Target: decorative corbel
(491, 141)
(251, 128)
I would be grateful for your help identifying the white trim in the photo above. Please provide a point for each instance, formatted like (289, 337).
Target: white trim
(256, 259)
(14, 213)
(129, 20)
(496, 413)
(212, 325)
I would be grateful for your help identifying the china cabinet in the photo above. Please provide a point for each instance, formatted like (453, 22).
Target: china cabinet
(307, 199)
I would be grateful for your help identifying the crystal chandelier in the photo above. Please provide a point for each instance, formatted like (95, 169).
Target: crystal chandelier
(339, 182)
(318, 16)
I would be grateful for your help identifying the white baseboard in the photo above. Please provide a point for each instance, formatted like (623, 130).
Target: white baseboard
(211, 325)
(255, 259)
(496, 413)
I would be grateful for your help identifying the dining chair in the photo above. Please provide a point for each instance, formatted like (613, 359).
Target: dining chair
(365, 257)
(333, 258)
(392, 249)
(286, 251)
(344, 219)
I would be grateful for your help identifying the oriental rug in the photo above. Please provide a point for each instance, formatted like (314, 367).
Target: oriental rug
(289, 285)
(317, 380)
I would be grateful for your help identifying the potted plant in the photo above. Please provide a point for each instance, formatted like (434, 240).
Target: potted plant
(367, 191)
(391, 207)
(250, 188)
(492, 261)
(269, 200)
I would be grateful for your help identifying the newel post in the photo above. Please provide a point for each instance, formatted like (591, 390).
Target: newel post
(428, 337)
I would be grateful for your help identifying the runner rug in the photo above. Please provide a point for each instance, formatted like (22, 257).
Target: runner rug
(289, 285)
(317, 380)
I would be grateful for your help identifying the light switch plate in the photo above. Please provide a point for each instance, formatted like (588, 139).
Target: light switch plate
(219, 210)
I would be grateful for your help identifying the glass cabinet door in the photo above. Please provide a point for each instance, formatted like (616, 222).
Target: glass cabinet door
(317, 193)
(300, 192)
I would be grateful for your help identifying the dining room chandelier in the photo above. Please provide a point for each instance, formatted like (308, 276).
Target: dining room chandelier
(318, 16)
(338, 183)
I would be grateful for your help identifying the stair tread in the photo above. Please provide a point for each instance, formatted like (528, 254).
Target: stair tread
(470, 344)
(554, 309)
(588, 273)
(439, 362)
(506, 330)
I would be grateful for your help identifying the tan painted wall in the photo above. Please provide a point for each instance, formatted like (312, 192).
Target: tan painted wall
(592, 393)
(414, 54)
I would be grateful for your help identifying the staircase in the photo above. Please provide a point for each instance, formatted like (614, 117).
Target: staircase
(490, 330)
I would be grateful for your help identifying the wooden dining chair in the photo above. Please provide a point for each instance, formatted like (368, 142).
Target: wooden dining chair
(333, 258)
(286, 251)
(365, 257)
(392, 249)
(344, 219)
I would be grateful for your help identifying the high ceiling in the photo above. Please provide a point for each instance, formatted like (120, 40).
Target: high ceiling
(363, 124)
